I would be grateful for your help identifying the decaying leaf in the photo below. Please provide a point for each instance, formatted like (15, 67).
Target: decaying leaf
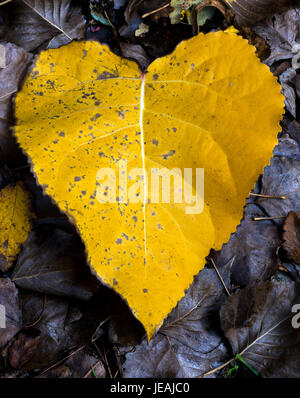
(11, 322)
(286, 79)
(135, 11)
(281, 32)
(15, 216)
(136, 53)
(188, 344)
(83, 364)
(254, 246)
(83, 109)
(16, 60)
(248, 12)
(291, 236)
(53, 262)
(53, 23)
(61, 324)
(22, 349)
(257, 321)
(281, 178)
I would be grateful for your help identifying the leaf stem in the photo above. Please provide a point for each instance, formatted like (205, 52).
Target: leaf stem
(267, 196)
(5, 2)
(267, 218)
(220, 276)
(155, 11)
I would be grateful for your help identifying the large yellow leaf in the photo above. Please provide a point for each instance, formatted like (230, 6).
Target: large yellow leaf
(15, 216)
(210, 104)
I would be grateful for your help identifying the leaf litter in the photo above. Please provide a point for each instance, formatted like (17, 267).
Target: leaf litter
(53, 331)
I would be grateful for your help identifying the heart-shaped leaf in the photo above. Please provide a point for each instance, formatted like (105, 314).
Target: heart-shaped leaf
(86, 118)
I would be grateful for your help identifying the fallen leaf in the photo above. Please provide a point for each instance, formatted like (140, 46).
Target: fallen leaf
(53, 262)
(134, 12)
(66, 325)
(254, 246)
(281, 32)
(16, 60)
(291, 236)
(15, 217)
(136, 53)
(61, 324)
(22, 350)
(183, 113)
(13, 315)
(248, 12)
(288, 90)
(189, 343)
(154, 359)
(257, 323)
(33, 23)
(123, 329)
(293, 269)
(297, 84)
(281, 178)
(82, 364)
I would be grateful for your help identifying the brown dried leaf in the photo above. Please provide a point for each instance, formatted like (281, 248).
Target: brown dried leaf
(82, 364)
(15, 63)
(257, 323)
(188, 344)
(62, 325)
(281, 178)
(291, 236)
(136, 53)
(13, 316)
(33, 23)
(248, 12)
(22, 350)
(254, 246)
(281, 32)
(53, 262)
(134, 12)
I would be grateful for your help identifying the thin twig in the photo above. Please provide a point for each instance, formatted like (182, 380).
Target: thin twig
(104, 359)
(245, 349)
(220, 276)
(21, 167)
(62, 360)
(267, 196)
(41, 315)
(5, 2)
(118, 359)
(267, 218)
(186, 314)
(91, 370)
(108, 20)
(155, 11)
(99, 326)
(115, 375)
(216, 369)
